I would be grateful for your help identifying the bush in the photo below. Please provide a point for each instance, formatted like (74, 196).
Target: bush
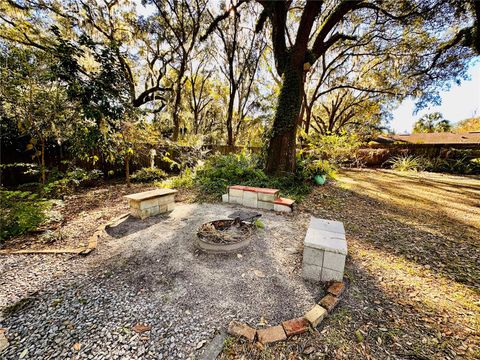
(220, 171)
(407, 163)
(184, 180)
(337, 149)
(147, 175)
(310, 168)
(60, 184)
(21, 212)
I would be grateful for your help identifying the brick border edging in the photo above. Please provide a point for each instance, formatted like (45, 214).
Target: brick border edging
(291, 327)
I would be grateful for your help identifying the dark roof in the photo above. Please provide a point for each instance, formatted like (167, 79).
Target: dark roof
(432, 138)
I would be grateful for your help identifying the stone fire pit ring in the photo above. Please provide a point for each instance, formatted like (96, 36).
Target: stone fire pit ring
(224, 236)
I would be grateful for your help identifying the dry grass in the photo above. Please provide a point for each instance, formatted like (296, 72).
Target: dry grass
(413, 269)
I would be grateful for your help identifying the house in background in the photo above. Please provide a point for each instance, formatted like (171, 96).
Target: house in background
(443, 138)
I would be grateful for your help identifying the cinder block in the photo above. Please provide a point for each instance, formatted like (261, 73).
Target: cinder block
(326, 241)
(334, 261)
(250, 195)
(265, 205)
(249, 202)
(225, 198)
(235, 199)
(235, 192)
(170, 207)
(267, 197)
(311, 272)
(327, 225)
(331, 275)
(313, 256)
(147, 204)
(134, 204)
(282, 208)
(165, 200)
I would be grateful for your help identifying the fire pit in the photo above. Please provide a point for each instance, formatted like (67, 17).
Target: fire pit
(221, 236)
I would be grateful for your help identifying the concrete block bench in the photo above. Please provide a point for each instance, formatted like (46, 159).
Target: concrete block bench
(150, 203)
(260, 198)
(325, 251)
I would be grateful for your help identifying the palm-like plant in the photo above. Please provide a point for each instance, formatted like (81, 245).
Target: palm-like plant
(430, 123)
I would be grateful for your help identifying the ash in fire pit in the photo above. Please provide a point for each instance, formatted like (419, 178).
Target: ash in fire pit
(227, 235)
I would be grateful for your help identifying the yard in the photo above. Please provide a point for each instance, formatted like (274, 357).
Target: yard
(412, 271)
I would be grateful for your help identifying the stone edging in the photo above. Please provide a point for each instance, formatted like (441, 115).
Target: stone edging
(92, 242)
(291, 327)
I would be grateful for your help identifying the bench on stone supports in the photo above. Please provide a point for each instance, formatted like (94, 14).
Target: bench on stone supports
(150, 203)
(260, 198)
(325, 251)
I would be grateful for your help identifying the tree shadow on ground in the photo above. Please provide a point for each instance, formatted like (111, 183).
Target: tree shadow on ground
(131, 225)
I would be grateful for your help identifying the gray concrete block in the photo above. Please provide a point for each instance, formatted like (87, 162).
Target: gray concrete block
(334, 261)
(225, 198)
(265, 205)
(250, 196)
(326, 241)
(313, 256)
(331, 275)
(267, 197)
(235, 192)
(311, 272)
(282, 208)
(327, 225)
(235, 199)
(249, 202)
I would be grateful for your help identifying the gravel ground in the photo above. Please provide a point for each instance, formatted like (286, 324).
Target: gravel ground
(150, 272)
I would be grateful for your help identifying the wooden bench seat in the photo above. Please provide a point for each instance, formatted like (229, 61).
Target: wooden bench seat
(150, 203)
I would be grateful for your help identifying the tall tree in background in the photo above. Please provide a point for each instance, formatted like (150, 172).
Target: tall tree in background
(240, 56)
(182, 21)
(298, 44)
(430, 123)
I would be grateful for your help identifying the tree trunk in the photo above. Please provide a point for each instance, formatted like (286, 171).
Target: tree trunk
(230, 142)
(178, 100)
(308, 118)
(44, 177)
(282, 146)
(127, 169)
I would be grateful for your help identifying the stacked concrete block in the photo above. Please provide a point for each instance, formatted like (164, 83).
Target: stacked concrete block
(150, 203)
(260, 198)
(325, 251)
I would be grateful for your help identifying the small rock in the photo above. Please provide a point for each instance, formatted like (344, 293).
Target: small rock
(3, 342)
(259, 273)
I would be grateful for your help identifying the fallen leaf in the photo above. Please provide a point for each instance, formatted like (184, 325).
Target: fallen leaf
(23, 354)
(77, 346)
(141, 328)
(308, 350)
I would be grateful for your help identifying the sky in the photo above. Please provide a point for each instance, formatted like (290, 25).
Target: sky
(460, 102)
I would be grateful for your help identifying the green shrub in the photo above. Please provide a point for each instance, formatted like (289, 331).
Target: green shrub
(184, 180)
(60, 184)
(337, 149)
(147, 175)
(21, 212)
(310, 168)
(220, 171)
